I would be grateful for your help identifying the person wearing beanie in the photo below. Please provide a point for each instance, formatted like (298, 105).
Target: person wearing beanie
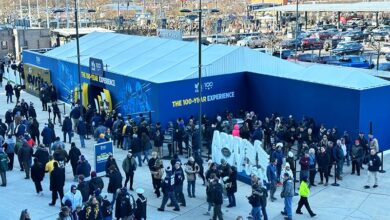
(140, 212)
(287, 194)
(95, 183)
(83, 167)
(3, 167)
(304, 193)
(37, 175)
(168, 192)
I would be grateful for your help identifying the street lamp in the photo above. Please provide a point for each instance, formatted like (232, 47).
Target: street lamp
(78, 56)
(199, 11)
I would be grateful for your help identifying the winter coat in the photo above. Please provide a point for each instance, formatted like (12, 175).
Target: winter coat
(81, 128)
(10, 145)
(191, 169)
(115, 181)
(25, 153)
(3, 162)
(74, 155)
(271, 173)
(76, 199)
(83, 187)
(374, 162)
(216, 192)
(42, 155)
(9, 90)
(236, 131)
(129, 165)
(338, 153)
(231, 183)
(67, 125)
(278, 154)
(60, 155)
(57, 179)
(9, 117)
(83, 168)
(304, 190)
(288, 188)
(323, 161)
(31, 112)
(136, 145)
(110, 162)
(125, 205)
(95, 183)
(37, 172)
(304, 162)
(47, 136)
(357, 152)
(140, 212)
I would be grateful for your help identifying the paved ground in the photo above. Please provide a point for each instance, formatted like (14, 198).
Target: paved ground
(348, 201)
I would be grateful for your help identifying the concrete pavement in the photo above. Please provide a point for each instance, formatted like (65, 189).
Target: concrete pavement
(348, 201)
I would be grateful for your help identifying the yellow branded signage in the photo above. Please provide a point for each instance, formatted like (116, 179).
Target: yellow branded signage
(35, 77)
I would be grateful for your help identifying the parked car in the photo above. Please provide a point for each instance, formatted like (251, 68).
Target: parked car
(311, 43)
(384, 67)
(290, 44)
(387, 56)
(385, 48)
(331, 44)
(355, 21)
(380, 36)
(322, 35)
(328, 26)
(218, 39)
(284, 53)
(348, 48)
(305, 57)
(352, 61)
(264, 50)
(252, 42)
(354, 35)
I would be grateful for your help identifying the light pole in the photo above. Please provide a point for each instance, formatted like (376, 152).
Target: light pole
(199, 11)
(296, 31)
(78, 56)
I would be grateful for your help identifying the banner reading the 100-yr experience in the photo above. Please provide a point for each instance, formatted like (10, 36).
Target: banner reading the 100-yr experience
(102, 151)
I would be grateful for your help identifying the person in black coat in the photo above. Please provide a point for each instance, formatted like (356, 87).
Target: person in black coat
(33, 130)
(83, 167)
(83, 187)
(67, 128)
(47, 136)
(57, 182)
(216, 192)
(82, 131)
(125, 205)
(9, 91)
(140, 212)
(110, 162)
(31, 111)
(56, 113)
(374, 163)
(323, 164)
(136, 148)
(114, 183)
(231, 186)
(42, 154)
(95, 183)
(74, 156)
(37, 174)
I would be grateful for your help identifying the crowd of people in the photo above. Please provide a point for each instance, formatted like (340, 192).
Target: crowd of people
(316, 149)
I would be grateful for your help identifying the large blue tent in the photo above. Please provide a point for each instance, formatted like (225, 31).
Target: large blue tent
(150, 74)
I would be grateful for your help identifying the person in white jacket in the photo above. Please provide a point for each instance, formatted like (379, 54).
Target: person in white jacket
(286, 169)
(73, 196)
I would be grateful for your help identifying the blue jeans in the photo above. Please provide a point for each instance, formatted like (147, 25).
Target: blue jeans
(256, 213)
(82, 142)
(138, 155)
(191, 188)
(146, 153)
(126, 143)
(288, 206)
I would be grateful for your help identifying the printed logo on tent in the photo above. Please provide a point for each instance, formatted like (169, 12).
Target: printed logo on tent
(205, 86)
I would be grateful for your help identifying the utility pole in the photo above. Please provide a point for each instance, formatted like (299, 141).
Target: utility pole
(47, 17)
(29, 10)
(20, 9)
(67, 13)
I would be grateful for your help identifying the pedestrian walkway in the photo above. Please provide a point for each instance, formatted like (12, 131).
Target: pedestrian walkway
(348, 201)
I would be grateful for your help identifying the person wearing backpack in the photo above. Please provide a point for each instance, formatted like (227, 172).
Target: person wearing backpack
(125, 205)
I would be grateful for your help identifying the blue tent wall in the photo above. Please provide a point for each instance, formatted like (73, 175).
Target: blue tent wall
(333, 106)
(375, 108)
(186, 89)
